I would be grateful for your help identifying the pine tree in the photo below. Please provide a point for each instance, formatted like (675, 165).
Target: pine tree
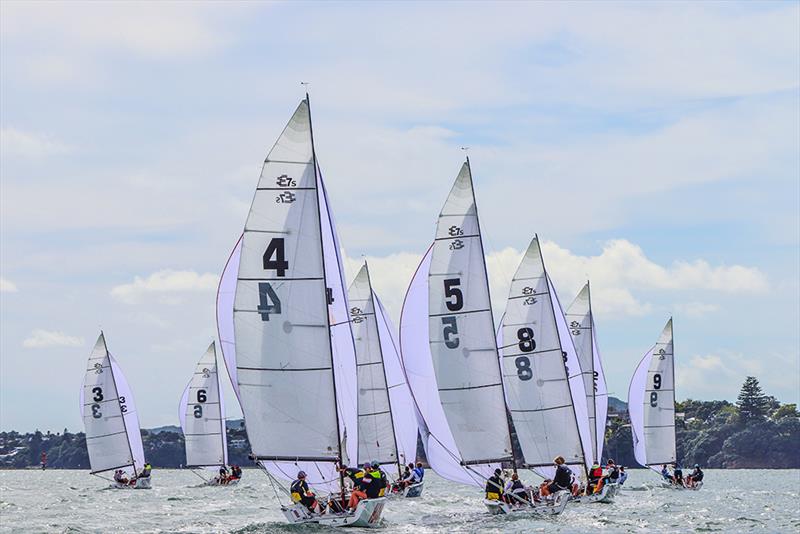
(753, 404)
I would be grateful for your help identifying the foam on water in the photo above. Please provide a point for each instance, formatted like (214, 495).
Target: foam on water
(75, 502)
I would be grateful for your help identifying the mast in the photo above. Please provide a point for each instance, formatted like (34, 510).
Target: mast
(122, 415)
(594, 382)
(383, 367)
(552, 309)
(325, 279)
(674, 396)
(491, 314)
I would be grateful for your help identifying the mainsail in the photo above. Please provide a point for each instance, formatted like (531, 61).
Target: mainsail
(376, 433)
(202, 415)
(461, 332)
(113, 438)
(651, 404)
(544, 387)
(581, 327)
(291, 330)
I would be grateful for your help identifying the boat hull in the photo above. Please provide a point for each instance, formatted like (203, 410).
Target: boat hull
(696, 487)
(141, 483)
(367, 514)
(216, 482)
(414, 490)
(549, 507)
(606, 495)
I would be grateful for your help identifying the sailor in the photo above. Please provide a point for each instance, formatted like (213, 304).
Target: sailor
(145, 471)
(419, 472)
(515, 491)
(562, 481)
(595, 479)
(665, 473)
(119, 477)
(378, 484)
(677, 475)
(623, 476)
(612, 472)
(236, 472)
(357, 477)
(407, 477)
(302, 494)
(695, 476)
(223, 474)
(494, 486)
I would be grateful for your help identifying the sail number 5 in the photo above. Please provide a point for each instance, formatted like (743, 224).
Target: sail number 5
(454, 300)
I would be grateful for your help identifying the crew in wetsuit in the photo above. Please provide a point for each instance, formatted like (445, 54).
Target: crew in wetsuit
(302, 494)
(677, 476)
(515, 492)
(612, 472)
(494, 486)
(562, 481)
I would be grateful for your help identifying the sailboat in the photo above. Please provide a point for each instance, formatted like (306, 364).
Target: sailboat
(113, 437)
(651, 406)
(387, 428)
(450, 354)
(294, 348)
(202, 416)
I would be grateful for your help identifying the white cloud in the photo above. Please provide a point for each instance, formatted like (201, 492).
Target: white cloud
(42, 339)
(14, 142)
(696, 309)
(7, 286)
(167, 284)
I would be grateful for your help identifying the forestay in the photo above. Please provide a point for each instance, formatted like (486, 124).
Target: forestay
(376, 437)
(544, 386)
(461, 332)
(415, 351)
(113, 438)
(581, 327)
(283, 348)
(202, 415)
(651, 404)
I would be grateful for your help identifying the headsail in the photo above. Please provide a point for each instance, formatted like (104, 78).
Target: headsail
(113, 438)
(581, 327)
(461, 332)
(226, 293)
(544, 387)
(376, 437)
(651, 404)
(202, 415)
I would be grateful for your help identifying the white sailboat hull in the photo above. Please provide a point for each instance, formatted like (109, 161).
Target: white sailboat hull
(409, 492)
(367, 514)
(141, 483)
(606, 495)
(549, 507)
(215, 482)
(668, 485)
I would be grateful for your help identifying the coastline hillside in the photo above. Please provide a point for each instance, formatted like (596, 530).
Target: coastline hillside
(757, 431)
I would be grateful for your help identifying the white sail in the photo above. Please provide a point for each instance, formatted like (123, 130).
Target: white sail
(202, 415)
(282, 333)
(651, 404)
(226, 294)
(113, 438)
(581, 327)
(544, 387)
(461, 332)
(404, 414)
(376, 438)
(415, 351)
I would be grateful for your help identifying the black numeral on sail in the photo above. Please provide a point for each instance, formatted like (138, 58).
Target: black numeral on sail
(98, 394)
(450, 332)
(595, 377)
(201, 398)
(524, 371)
(96, 411)
(279, 263)
(268, 301)
(201, 395)
(122, 406)
(526, 341)
(653, 399)
(198, 411)
(451, 289)
(657, 381)
(564, 357)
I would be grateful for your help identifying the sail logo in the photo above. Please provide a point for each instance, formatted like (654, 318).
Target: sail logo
(527, 290)
(455, 231)
(98, 368)
(457, 244)
(285, 181)
(575, 325)
(530, 301)
(206, 372)
(662, 354)
(357, 312)
(286, 197)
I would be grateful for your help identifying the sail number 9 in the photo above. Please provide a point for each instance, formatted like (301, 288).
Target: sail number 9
(198, 408)
(654, 394)
(449, 323)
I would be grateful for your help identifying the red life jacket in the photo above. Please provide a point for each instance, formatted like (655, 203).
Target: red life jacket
(596, 472)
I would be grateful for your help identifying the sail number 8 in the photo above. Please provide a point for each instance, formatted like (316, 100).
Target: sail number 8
(526, 344)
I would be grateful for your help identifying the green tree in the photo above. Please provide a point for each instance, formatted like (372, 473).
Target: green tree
(787, 410)
(753, 404)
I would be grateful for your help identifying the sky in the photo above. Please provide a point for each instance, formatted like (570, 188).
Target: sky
(653, 147)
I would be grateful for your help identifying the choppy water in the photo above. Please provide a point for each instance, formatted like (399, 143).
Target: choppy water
(75, 502)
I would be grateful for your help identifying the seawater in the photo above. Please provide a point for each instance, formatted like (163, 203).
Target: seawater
(75, 502)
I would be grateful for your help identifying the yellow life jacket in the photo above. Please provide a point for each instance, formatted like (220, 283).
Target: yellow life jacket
(492, 496)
